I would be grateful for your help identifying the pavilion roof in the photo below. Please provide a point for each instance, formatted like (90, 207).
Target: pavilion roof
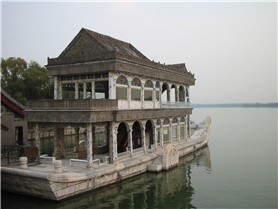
(88, 45)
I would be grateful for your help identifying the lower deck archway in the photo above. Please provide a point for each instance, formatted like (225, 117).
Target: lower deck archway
(122, 138)
(136, 135)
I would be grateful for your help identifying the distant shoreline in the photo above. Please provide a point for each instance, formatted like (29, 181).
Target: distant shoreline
(237, 105)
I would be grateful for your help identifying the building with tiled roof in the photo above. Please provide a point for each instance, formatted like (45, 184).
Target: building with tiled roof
(127, 103)
(13, 121)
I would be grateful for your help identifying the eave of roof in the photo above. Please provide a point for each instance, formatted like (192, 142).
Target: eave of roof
(11, 103)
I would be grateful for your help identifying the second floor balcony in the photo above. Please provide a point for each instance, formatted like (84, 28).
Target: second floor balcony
(100, 104)
(167, 104)
(78, 104)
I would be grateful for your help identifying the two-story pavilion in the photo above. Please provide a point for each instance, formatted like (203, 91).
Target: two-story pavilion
(128, 103)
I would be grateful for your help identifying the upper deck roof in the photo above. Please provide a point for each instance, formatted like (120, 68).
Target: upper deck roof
(92, 52)
(90, 46)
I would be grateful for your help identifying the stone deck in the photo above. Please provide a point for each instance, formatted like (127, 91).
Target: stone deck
(57, 180)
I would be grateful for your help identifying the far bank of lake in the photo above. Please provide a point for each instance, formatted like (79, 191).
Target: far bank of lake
(237, 105)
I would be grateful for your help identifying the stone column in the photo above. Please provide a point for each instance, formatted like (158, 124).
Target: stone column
(155, 137)
(154, 96)
(89, 146)
(161, 133)
(184, 129)
(76, 86)
(113, 146)
(93, 90)
(129, 94)
(188, 93)
(160, 100)
(170, 130)
(55, 80)
(142, 96)
(187, 127)
(59, 143)
(168, 95)
(57, 88)
(143, 135)
(177, 94)
(84, 90)
(60, 90)
(179, 130)
(37, 138)
(130, 142)
(76, 129)
(112, 86)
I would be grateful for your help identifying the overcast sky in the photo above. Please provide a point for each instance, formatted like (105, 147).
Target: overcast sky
(230, 47)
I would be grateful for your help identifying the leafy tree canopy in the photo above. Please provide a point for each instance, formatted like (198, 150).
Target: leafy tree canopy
(25, 81)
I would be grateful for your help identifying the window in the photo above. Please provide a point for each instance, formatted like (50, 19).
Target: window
(182, 131)
(157, 95)
(121, 89)
(121, 93)
(136, 82)
(136, 89)
(166, 121)
(68, 91)
(122, 80)
(158, 136)
(88, 90)
(148, 95)
(174, 133)
(157, 85)
(148, 84)
(136, 94)
(101, 89)
(148, 92)
(166, 135)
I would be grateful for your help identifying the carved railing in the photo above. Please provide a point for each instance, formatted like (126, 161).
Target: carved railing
(11, 154)
(92, 104)
(176, 104)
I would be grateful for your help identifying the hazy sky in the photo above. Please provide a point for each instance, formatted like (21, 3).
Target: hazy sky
(230, 47)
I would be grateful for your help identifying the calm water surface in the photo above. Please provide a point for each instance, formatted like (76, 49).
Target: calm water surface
(237, 170)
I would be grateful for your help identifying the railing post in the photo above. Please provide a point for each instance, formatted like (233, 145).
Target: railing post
(23, 162)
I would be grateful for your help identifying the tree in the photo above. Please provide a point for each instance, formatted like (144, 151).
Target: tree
(38, 84)
(25, 81)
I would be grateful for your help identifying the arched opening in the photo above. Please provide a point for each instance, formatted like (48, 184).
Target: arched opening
(149, 134)
(136, 89)
(182, 128)
(165, 97)
(181, 94)
(158, 138)
(122, 138)
(148, 91)
(121, 88)
(166, 131)
(174, 93)
(136, 135)
(175, 129)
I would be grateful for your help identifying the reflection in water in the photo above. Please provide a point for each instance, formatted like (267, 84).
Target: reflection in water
(171, 189)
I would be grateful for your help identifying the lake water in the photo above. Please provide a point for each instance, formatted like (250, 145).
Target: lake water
(237, 170)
